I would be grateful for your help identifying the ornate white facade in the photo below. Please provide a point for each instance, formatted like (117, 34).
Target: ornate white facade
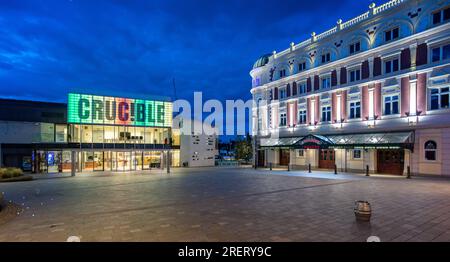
(370, 92)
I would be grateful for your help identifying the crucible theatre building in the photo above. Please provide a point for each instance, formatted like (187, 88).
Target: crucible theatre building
(370, 92)
(90, 132)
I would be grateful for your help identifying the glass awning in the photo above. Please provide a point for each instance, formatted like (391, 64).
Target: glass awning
(367, 140)
(279, 142)
(394, 139)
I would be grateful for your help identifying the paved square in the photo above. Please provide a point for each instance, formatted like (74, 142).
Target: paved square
(226, 204)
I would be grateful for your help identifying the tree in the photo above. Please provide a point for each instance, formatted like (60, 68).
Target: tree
(244, 149)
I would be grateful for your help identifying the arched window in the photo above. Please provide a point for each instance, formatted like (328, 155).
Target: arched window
(430, 150)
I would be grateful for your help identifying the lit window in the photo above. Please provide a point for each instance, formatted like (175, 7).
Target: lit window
(326, 82)
(391, 65)
(391, 34)
(430, 150)
(441, 16)
(440, 53)
(355, 48)
(326, 58)
(302, 116)
(391, 105)
(301, 87)
(355, 75)
(301, 66)
(439, 98)
(355, 110)
(283, 119)
(326, 114)
(357, 154)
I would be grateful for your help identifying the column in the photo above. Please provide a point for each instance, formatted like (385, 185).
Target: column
(168, 161)
(72, 162)
(371, 104)
(312, 111)
(338, 108)
(413, 52)
(370, 67)
(413, 97)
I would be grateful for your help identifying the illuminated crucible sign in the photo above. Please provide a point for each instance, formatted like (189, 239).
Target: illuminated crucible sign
(92, 109)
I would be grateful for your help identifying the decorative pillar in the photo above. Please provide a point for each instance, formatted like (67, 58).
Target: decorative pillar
(370, 67)
(405, 97)
(421, 93)
(371, 103)
(413, 55)
(312, 111)
(338, 108)
(413, 97)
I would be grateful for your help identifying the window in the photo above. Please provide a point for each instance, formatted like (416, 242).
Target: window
(283, 119)
(391, 105)
(301, 153)
(326, 58)
(282, 73)
(302, 116)
(441, 16)
(357, 154)
(391, 34)
(326, 82)
(282, 93)
(355, 110)
(391, 65)
(301, 66)
(439, 98)
(430, 150)
(301, 87)
(440, 53)
(355, 48)
(355, 75)
(326, 114)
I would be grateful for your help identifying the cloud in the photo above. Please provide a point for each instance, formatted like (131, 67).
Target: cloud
(50, 47)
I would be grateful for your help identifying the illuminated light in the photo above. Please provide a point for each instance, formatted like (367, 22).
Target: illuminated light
(90, 109)
(312, 112)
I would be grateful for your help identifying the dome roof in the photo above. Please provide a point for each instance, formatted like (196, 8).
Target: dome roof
(262, 61)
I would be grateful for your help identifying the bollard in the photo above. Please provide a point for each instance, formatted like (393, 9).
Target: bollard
(270, 166)
(309, 168)
(335, 169)
(408, 172)
(289, 167)
(367, 170)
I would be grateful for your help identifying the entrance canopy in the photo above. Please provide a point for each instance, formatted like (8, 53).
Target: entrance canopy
(387, 140)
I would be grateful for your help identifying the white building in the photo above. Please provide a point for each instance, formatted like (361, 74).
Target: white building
(198, 145)
(372, 91)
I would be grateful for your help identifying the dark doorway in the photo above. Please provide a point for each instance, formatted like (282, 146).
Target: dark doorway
(326, 158)
(390, 161)
(284, 157)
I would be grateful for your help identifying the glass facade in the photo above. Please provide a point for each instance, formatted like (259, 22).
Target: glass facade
(118, 134)
(105, 148)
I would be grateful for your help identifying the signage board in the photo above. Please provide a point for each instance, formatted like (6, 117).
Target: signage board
(93, 109)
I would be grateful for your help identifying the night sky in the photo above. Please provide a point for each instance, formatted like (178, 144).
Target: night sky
(135, 48)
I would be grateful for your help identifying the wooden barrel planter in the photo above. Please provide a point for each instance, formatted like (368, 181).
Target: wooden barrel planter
(363, 211)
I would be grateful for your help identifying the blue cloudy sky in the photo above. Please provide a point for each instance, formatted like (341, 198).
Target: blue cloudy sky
(130, 47)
